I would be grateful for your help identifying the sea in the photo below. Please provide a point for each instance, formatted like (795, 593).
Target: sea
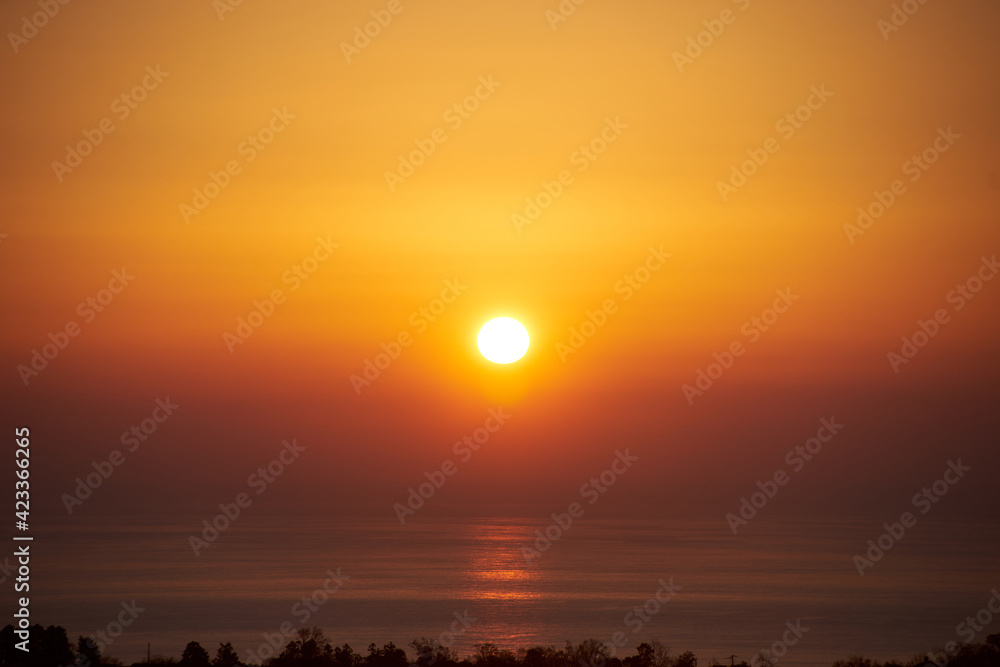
(691, 584)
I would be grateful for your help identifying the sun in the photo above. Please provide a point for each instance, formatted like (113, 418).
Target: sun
(503, 340)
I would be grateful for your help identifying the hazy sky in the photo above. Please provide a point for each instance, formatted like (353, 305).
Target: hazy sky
(619, 129)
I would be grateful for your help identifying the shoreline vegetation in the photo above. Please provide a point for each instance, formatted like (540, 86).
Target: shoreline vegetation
(50, 647)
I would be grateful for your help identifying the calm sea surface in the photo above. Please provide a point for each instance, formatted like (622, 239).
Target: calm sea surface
(735, 593)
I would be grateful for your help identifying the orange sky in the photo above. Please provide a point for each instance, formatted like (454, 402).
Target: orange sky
(669, 138)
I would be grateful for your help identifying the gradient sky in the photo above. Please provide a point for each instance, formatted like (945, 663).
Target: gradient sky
(656, 185)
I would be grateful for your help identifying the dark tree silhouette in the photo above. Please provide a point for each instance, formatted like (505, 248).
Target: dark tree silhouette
(686, 659)
(431, 652)
(489, 654)
(87, 653)
(49, 647)
(344, 656)
(226, 656)
(195, 656)
(52, 646)
(158, 661)
(8, 652)
(309, 648)
(387, 656)
(590, 652)
(538, 656)
(854, 661)
(645, 656)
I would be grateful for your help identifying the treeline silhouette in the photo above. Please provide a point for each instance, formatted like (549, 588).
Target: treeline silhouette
(50, 647)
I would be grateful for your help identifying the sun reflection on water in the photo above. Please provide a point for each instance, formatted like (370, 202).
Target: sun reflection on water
(497, 569)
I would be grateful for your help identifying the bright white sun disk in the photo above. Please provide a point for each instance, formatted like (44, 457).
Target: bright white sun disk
(503, 340)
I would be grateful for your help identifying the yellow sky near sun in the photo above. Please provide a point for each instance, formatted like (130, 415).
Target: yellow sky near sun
(679, 133)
